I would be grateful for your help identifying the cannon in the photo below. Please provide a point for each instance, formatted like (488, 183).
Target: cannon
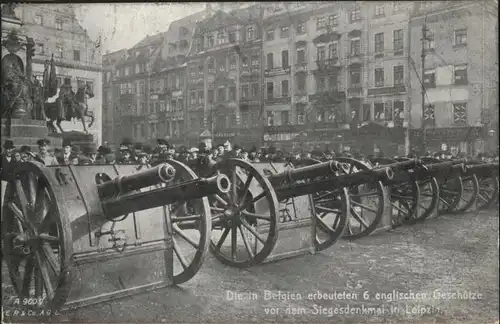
(284, 210)
(78, 235)
(487, 182)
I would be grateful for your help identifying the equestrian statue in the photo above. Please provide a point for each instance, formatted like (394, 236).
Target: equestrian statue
(65, 104)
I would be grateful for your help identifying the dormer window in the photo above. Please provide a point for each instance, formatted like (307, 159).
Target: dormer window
(250, 33)
(221, 36)
(210, 41)
(183, 31)
(172, 47)
(184, 44)
(39, 19)
(59, 24)
(356, 13)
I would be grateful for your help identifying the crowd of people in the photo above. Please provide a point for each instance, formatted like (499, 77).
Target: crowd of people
(196, 157)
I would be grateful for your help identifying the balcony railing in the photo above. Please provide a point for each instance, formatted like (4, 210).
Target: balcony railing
(278, 101)
(328, 64)
(277, 71)
(387, 90)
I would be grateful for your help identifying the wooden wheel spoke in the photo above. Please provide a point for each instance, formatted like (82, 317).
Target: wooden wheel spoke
(222, 238)
(38, 283)
(323, 225)
(51, 258)
(363, 206)
(179, 255)
(47, 237)
(212, 208)
(257, 216)
(234, 186)
(252, 230)
(326, 209)
(220, 200)
(45, 275)
(234, 240)
(444, 201)
(20, 215)
(349, 228)
(245, 242)
(365, 194)
(253, 201)
(246, 186)
(178, 231)
(402, 197)
(358, 217)
(21, 195)
(483, 198)
(400, 209)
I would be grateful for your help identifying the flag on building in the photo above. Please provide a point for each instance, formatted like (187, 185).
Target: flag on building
(52, 84)
(98, 42)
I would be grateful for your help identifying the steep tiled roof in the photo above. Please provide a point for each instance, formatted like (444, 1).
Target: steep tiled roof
(217, 20)
(247, 14)
(188, 22)
(151, 40)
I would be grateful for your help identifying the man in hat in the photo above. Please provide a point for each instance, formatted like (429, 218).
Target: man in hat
(162, 146)
(100, 155)
(143, 161)
(193, 154)
(236, 153)
(7, 167)
(44, 156)
(126, 157)
(110, 158)
(64, 158)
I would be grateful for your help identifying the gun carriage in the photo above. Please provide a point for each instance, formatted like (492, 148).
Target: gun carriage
(487, 181)
(77, 235)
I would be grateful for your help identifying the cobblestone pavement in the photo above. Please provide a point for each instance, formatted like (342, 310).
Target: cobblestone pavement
(447, 269)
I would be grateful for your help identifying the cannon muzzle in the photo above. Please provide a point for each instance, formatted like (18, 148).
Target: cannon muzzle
(445, 169)
(120, 185)
(174, 193)
(482, 170)
(290, 176)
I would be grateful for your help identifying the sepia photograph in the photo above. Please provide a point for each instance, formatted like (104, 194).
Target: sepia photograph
(237, 162)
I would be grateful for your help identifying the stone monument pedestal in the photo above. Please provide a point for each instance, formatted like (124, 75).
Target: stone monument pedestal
(28, 132)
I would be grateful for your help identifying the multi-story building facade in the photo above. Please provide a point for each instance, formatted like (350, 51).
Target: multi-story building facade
(223, 70)
(111, 127)
(57, 32)
(460, 74)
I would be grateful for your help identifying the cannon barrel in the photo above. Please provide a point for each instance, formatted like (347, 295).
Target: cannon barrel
(442, 169)
(135, 181)
(290, 176)
(335, 182)
(403, 165)
(194, 189)
(482, 170)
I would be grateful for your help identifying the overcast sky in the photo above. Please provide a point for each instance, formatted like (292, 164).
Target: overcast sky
(124, 25)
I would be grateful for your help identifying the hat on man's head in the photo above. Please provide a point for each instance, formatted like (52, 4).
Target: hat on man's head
(137, 146)
(66, 142)
(236, 147)
(110, 157)
(161, 141)
(43, 142)
(202, 147)
(193, 150)
(25, 149)
(142, 154)
(126, 151)
(8, 145)
(147, 149)
(126, 142)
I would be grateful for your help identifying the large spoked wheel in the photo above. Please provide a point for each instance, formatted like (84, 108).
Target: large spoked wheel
(248, 214)
(330, 209)
(450, 193)
(37, 237)
(405, 196)
(190, 228)
(488, 192)
(428, 196)
(366, 201)
(470, 193)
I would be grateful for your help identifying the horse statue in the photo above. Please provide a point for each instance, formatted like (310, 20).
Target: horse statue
(68, 105)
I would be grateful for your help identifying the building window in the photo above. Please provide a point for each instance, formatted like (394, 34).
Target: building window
(320, 23)
(301, 114)
(398, 40)
(201, 97)
(60, 51)
(333, 20)
(232, 93)
(255, 61)
(173, 105)
(232, 62)
(244, 61)
(193, 98)
(378, 108)
(184, 44)
(356, 13)
(332, 50)
(355, 76)
(232, 37)
(90, 85)
(321, 55)
(221, 63)
(429, 79)
(270, 60)
(284, 88)
(379, 42)
(460, 37)
(221, 36)
(285, 32)
(460, 114)
(221, 94)
(143, 130)
(270, 35)
(270, 118)
(39, 19)
(211, 65)
(285, 118)
(255, 90)
(429, 118)
(301, 55)
(210, 96)
(379, 77)
(398, 6)
(301, 82)
(398, 75)
(321, 84)
(379, 10)
(40, 49)
(141, 87)
(332, 83)
(355, 46)
(429, 40)
(461, 75)
(210, 41)
(250, 33)
(301, 28)
(59, 24)
(270, 90)
(76, 55)
(399, 110)
(284, 59)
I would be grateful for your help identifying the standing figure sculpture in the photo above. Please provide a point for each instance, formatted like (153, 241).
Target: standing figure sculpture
(16, 88)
